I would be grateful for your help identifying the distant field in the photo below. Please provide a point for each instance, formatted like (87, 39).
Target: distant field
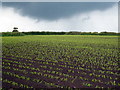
(65, 61)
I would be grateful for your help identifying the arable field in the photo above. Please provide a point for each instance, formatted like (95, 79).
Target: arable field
(65, 61)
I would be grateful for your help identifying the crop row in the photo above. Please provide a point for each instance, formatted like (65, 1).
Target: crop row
(61, 61)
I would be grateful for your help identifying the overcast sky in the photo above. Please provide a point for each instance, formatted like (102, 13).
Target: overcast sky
(59, 16)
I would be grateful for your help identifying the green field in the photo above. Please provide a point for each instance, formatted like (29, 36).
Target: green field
(65, 61)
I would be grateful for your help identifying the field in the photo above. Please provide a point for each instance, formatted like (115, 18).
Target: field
(65, 61)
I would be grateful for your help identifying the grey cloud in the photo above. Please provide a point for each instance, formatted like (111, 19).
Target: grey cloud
(56, 10)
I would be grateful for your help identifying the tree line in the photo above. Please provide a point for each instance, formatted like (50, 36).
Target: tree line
(57, 33)
(70, 33)
(15, 32)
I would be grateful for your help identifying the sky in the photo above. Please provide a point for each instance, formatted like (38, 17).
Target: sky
(59, 16)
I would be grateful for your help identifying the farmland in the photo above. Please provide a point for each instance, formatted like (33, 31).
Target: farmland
(64, 61)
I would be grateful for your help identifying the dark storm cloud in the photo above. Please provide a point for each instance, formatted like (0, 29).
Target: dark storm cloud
(56, 10)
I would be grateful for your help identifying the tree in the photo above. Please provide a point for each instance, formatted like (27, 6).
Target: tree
(15, 29)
